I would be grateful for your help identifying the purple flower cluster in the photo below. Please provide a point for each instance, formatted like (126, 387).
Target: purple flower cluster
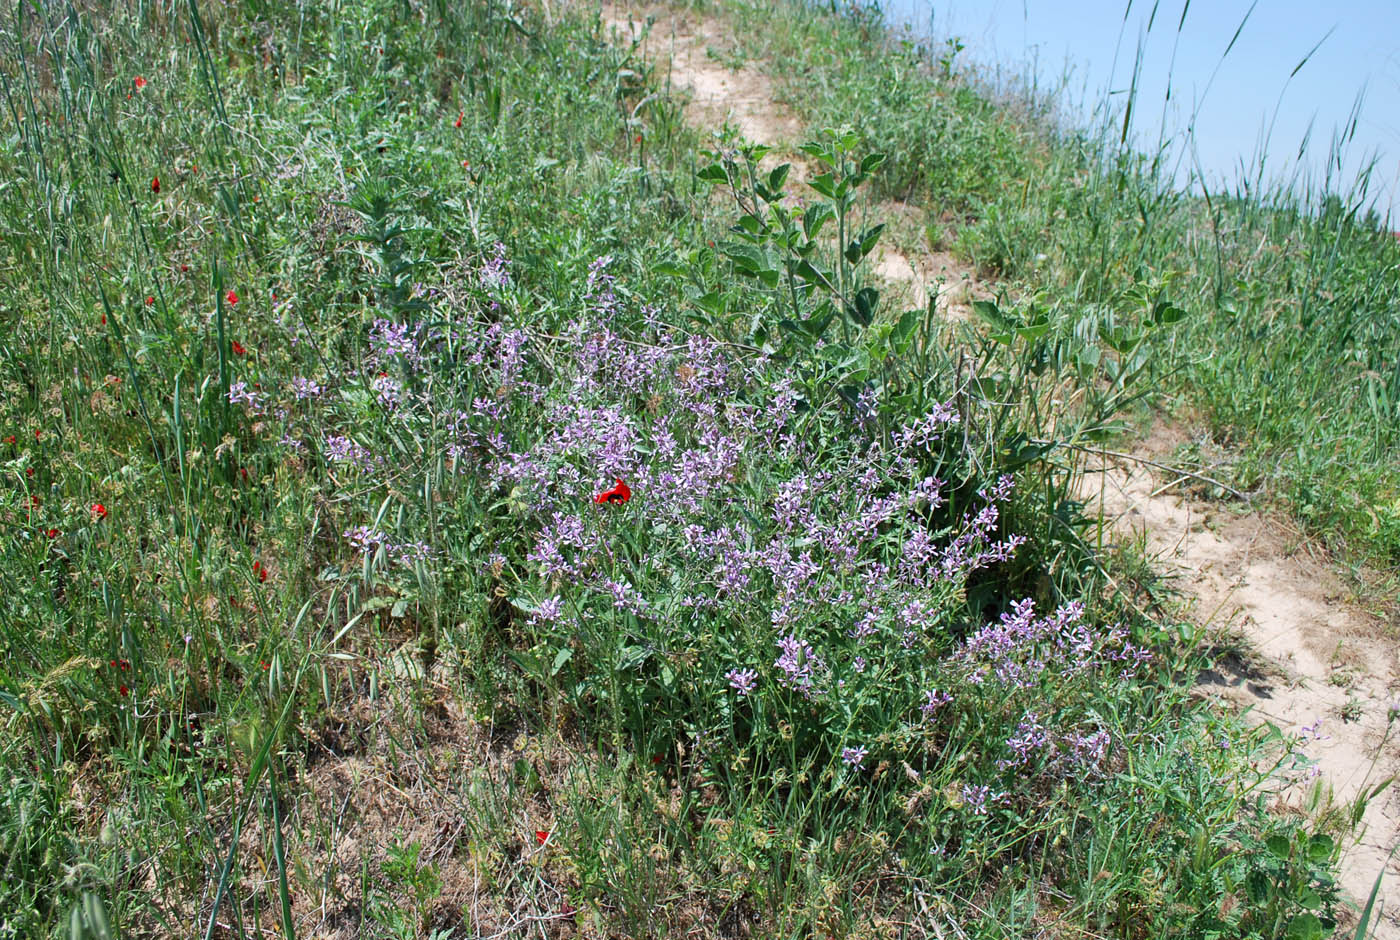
(495, 273)
(799, 664)
(303, 388)
(1017, 651)
(745, 507)
(389, 341)
(388, 391)
(339, 449)
(240, 394)
(742, 681)
(977, 796)
(367, 541)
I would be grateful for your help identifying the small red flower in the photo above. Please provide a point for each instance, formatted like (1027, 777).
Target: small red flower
(10, 439)
(150, 300)
(99, 511)
(458, 122)
(238, 348)
(260, 571)
(620, 493)
(52, 533)
(541, 836)
(38, 434)
(155, 184)
(184, 268)
(104, 319)
(123, 690)
(231, 297)
(140, 83)
(29, 471)
(655, 759)
(639, 138)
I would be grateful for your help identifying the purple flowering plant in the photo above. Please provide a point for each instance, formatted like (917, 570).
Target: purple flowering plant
(786, 580)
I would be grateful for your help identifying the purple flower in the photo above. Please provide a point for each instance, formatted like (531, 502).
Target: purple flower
(303, 388)
(853, 756)
(549, 610)
(798, 663)
(343, 450)
(976, 797)
(495, 273)
(935, 700)
(388, 391)
(240, 393)
(742, 681)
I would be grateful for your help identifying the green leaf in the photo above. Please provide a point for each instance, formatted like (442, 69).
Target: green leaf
(869, 237)
(863, 306)
(669, 268)
(872, 162)
(815, 217)
(1165, 314)
(990, 312)
(903, 332)
(824, 184)
(1320, 847)
(560, 658)
(778, 177)
(711, 302)
(714, 173)
(1278, 846)
(1304, 927)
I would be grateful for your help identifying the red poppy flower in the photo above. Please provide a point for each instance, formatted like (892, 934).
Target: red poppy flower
(10, 439)
(155, 184)
(150, 300)
(99, 511)
(238, 349)
(458, 122)
(52, 533)
(38, 434)
(231, 297)
(620, 493)
(639, 138)
(140, 83)
(184, 268)
(29, 471)
(123, 690)
(541, 836)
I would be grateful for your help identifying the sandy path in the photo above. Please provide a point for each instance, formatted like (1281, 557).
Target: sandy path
(745, 98)
(1319, 657)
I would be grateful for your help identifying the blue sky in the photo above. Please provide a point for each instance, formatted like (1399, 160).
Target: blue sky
(1250, 89)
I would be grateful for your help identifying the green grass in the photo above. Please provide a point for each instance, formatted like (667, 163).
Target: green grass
(1289, 349)
(350, 649)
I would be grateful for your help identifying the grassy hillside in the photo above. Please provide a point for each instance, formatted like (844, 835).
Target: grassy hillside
(1289, 350)
(431, 511)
